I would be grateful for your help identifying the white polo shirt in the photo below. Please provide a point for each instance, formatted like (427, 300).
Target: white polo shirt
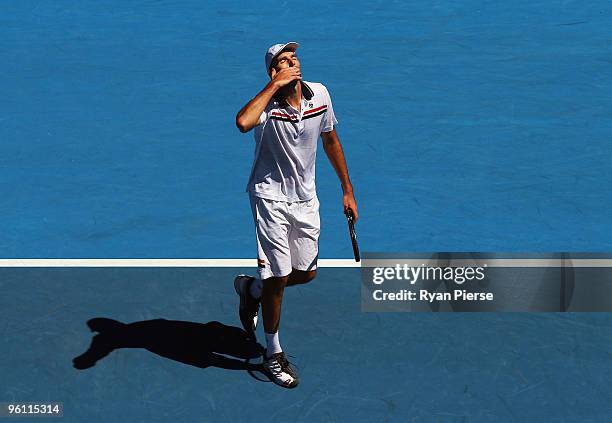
(286, 146)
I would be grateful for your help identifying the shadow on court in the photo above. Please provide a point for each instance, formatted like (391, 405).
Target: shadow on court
(197, 344)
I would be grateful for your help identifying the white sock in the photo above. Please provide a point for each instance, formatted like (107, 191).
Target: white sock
(256, 287)
(273, 344)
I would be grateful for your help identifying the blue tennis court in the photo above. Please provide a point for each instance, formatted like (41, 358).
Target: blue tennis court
(467, 126)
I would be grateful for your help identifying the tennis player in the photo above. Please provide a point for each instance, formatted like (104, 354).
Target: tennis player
(288, 115)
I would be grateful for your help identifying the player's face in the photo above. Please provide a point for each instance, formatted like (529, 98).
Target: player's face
(287, 59)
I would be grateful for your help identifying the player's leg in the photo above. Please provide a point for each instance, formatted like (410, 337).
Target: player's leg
(271, 302)
(275, 362)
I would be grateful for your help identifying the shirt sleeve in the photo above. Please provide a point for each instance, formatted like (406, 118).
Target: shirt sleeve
(263, 117)
(329, 118)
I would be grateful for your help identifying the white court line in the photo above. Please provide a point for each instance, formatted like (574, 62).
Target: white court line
(155, 263)
(321, 262)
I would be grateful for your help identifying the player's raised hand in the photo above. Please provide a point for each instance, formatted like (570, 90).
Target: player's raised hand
(286, 75)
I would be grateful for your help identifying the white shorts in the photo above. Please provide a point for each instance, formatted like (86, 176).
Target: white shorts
(287, 235)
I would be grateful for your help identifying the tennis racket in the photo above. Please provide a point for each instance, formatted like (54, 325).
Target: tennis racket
(353, 234)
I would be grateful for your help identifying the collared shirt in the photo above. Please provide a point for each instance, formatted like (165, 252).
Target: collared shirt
(286, 146)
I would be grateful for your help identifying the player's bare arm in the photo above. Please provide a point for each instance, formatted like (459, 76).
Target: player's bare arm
(333, 149)
(248, 117)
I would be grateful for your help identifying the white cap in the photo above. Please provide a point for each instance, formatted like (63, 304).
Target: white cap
(277, 49)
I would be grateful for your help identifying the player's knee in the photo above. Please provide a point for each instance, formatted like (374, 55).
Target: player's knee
(309, 275)
(300, 277)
